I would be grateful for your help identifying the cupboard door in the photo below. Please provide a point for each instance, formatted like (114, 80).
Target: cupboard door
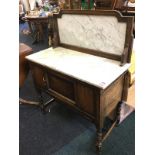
(61, 86)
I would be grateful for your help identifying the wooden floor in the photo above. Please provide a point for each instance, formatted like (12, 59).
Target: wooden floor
(131, 96)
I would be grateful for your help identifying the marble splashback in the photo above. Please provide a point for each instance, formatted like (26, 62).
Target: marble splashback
(102, 33)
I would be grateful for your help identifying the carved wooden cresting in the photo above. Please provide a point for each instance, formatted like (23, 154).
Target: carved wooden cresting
(88, 67)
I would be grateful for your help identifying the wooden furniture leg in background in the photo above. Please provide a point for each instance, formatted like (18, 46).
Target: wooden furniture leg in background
(24, 69)
(24, 50)
(30, 26)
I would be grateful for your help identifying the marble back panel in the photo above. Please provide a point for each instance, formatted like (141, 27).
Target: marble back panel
(101, 33)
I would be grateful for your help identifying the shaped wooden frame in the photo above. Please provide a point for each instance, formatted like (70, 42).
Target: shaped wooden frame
(126, 55)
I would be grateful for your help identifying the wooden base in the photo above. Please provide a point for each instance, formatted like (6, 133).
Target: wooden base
(23, 101)
(43, 105)
(102, 136)
(90, 101)
(123, 110)
(107, 128)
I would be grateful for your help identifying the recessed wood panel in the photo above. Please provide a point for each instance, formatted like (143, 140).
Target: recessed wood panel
(38, 75)
(112, 96)
(61, 86)
(85, 98)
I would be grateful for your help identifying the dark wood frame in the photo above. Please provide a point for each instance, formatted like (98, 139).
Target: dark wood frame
(124, 58)
(92, 102)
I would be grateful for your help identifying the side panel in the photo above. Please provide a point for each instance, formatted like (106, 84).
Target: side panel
(111, 97)
(86, 98)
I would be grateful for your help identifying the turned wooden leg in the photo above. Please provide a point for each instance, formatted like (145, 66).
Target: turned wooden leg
(99, 141)
(30, 26)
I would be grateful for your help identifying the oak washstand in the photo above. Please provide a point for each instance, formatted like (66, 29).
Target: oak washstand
(87, 67)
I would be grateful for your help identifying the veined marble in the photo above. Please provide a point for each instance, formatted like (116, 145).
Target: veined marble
(91, 69)
(103, 33)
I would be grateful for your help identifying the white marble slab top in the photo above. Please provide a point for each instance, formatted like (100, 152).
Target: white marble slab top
(91, 69)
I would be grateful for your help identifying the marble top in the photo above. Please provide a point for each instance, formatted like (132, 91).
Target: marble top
(97, 71)
(102, 33)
